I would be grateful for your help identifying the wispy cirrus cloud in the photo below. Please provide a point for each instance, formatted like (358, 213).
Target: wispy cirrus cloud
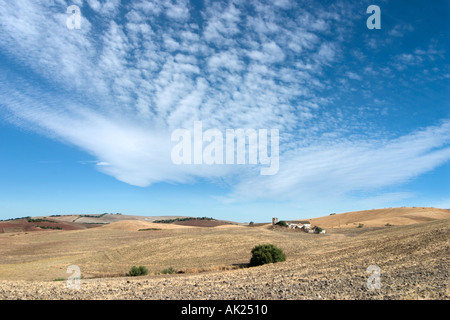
(349, 166)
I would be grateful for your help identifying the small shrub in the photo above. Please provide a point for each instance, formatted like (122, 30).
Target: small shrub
(137, 271)
(59, 279)
(318, 229)
(182, 219)
(40, 220)
(46, 227)
(169, 270)
(360, 225)
(282, 223)
(388, 224)
(266, 253)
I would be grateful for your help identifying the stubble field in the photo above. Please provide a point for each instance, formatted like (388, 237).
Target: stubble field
(212, 262)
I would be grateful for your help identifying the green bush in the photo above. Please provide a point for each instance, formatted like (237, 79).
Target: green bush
(169, 270)
(59, 279)
(182, 219)
(45, 227)
(266, 253)
(40, 220)
(138, 271)
(360, 225)
(318, 229)
(282, 223)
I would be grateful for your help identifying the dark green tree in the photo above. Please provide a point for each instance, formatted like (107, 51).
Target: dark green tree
(138, 271)
(266, 253)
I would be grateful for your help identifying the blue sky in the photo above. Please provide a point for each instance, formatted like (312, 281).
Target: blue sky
(86, 115)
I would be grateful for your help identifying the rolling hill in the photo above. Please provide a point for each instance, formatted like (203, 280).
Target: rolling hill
(381, 217)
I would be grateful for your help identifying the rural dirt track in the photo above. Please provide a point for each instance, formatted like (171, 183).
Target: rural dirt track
(413, 262)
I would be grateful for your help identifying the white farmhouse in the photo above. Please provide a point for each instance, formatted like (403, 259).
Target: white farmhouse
(305, 224)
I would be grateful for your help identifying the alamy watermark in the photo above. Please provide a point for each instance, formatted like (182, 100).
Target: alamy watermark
(74, 21)
(374, 21)
(73, 281)
(191, 150)
(374, 281)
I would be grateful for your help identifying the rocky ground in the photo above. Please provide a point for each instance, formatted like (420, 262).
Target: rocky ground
(268, 282)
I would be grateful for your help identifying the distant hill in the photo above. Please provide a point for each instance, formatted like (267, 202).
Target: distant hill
(137, 225)
(366, 218)
(109, 218)
(381, 217)
(164, 223)
(108, 221)
(40, 224)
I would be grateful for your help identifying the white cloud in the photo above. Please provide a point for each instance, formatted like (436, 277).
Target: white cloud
(107, 8)
(177, 10)
(400, 30)
(117, 91)
(326, 53)
(103, 163)
(353, 75)
(94, 4)
(222, 23)
(225, 60)
(268, 53)
(344, 167)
